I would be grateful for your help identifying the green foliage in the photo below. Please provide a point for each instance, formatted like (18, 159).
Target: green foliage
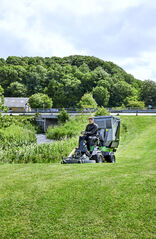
(27, 122)
(148, 92)
(102, 111)
(67, 79)
(130, 98)
(84, 68)
(1, 91)
(40, 101)
(17, 89)
(14, 136)
(120, 91)
(136, 104)
(2, 107)
(105, 83)
(71, 128)
(101, 95)
(63, 116)
(122, 107)
(1, 98)
(33, 153)
(62, 91)
(15, 132)
(87, 101)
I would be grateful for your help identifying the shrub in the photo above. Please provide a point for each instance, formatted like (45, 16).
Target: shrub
(43, 153)
(71, 128)
(27, 122)
(15, 135)
(102, 111)
(63, 116)
(136, 104)
(87, 101)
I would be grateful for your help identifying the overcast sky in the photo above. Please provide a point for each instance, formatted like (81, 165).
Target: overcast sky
(122, 31)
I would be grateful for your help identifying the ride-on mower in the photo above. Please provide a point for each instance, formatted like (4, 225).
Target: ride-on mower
(102, 146)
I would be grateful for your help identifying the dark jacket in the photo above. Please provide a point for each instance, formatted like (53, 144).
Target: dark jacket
(91, 129)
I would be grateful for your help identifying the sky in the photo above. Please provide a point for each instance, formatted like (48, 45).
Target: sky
(121, 31)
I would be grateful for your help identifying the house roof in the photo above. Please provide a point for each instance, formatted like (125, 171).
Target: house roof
(15, 101)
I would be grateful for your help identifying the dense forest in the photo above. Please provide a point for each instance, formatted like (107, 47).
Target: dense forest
(67, 79)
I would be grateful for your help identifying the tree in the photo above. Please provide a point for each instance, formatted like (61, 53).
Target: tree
(40, 101)
(1, 98)
(101, 95)
(84, 68)
(2, 107)
(67, 79)
(106, 83)
(17, 89)
(14, 60)
(120, 91)
(148, 92)
(87, 81)
(2, 62)
(87, 101)
(8, 74)
(65, 92)
(35, 79)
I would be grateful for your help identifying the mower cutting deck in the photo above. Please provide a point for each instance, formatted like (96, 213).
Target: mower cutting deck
(103, 145)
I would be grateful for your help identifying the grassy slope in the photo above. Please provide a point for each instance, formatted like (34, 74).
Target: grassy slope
(84, 201)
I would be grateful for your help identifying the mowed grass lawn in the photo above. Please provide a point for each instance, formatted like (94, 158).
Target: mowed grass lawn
(110, 201)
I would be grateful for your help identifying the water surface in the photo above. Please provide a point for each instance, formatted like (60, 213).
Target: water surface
(42, 139)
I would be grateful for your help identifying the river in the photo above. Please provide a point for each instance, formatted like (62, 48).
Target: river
(42, 139)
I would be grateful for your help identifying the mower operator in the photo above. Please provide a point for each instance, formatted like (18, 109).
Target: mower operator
(91, 130)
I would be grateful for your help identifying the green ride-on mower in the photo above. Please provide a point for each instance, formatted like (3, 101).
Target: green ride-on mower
(102, 146)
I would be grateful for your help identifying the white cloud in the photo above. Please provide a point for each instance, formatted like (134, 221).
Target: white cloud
(147, 69)
(24, 21)
(85, 7)
(15, 20)
(120, 5)
(16, 15)
(142, 67)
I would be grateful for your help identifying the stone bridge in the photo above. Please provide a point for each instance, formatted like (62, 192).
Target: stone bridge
(46, 120)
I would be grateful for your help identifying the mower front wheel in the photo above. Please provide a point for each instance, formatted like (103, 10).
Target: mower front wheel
(113, 160)
(99, 158)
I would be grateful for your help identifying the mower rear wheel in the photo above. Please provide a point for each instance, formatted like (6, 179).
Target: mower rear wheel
(110, 158)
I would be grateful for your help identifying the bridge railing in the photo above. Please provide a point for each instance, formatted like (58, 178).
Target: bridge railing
(87, 110)
(55, 110)
(131, 110)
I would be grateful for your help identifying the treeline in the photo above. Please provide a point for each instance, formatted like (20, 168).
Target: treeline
(67, 79)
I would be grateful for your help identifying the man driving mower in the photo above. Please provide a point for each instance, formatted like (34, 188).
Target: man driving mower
(98, 143)
(91, 130)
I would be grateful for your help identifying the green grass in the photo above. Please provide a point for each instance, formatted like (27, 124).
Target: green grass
(110, 201)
